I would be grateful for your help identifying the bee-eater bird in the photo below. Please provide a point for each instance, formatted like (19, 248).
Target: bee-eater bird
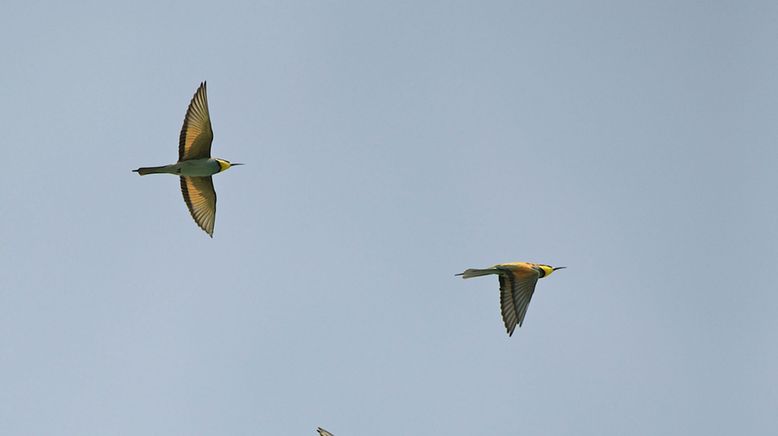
(195, 165)
(323, 432)
(517, 283)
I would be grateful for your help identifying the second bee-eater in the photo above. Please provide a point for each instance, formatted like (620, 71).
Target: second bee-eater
(517, 284)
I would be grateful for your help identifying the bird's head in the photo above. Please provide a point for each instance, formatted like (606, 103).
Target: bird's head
(546, 270)
(225, 164)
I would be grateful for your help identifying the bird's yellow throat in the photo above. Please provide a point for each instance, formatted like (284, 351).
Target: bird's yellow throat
(223, 164)
(546, 269)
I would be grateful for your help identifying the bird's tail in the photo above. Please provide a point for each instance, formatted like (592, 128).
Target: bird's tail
(472, 272)
(151, 170)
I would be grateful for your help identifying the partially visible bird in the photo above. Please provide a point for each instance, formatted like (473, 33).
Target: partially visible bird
(323, 432)
(517, 283)
(195, 165)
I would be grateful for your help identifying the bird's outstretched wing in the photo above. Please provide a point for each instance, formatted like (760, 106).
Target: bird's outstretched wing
(196, 134)
(516, 288)
(200, 198)
(323, 432)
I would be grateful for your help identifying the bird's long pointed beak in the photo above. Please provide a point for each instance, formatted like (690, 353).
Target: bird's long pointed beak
(236, 164)
(559, 267)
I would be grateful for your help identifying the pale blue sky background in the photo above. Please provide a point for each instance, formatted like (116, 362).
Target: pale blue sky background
(389, 146)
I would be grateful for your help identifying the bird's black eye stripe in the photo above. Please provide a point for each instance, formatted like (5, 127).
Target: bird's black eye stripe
(541, 273)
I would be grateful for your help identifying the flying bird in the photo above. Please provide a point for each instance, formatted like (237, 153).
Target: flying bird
(195, 165)
(323, 432)
(517, 283)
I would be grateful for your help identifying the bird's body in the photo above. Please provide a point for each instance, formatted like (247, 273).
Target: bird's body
(193, 168)
(195, 165)
(517, 284)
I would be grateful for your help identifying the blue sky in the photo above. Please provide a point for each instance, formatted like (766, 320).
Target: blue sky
(389, 146)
